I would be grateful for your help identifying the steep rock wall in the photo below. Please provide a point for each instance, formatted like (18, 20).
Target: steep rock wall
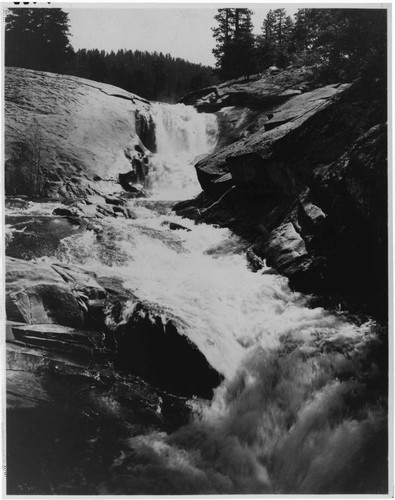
(309, 190)
(71, 134)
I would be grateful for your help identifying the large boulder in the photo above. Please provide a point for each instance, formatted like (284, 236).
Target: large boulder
(160, 352)
(64, 308)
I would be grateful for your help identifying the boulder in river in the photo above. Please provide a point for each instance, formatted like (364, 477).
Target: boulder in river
(63, 307)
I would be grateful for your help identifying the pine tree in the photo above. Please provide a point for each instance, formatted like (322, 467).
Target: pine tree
(308, 24)
(234, 51)
(283, 28)
(267, 42)
(276, 42)
(37, 38)
(223, 35)
(343, 43)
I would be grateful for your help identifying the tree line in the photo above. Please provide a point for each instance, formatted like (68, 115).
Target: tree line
(38, 38)
(341, 43)
(155, 76)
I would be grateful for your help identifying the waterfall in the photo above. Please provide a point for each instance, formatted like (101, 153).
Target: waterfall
(182, 134)
(181, 129)
(298, 410)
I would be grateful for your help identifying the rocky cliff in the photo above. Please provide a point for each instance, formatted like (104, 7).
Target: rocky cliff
(121, 316)
(68, 135)
(309, 187)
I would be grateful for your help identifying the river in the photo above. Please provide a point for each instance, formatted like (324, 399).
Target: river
(297, 411)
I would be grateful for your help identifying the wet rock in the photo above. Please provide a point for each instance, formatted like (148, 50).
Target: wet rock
(129, 182)
(80, 279)
(65, 212)
(255, 263)
(145, 128)
(38, 236)
(105, 210)
(284, 246)
(67, 420)
(35, 293)
(57, 337)
(310, 193)
(158, 352)
(94, 199)
(74, 154)
(67, 309)
(16, 202)
(190, 212)
(112, 200)
(113, 286)
(250, 161)
(310, 215)
(175, 227)
(128, 214)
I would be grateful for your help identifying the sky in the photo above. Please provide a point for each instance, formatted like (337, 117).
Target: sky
(181, 30)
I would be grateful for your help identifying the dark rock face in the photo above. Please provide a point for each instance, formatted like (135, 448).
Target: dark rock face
(37, 236)
(69, 413)
(258, 151)
(160, 354)
(145, 128)
(174, 226)
(310, 193)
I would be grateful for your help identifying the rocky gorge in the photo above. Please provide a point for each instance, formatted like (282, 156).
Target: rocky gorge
(164, 340)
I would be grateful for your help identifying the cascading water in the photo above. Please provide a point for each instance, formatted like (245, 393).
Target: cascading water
(182, 134)
(296, 412)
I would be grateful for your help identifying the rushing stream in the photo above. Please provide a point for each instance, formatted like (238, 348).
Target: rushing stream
(181, 135)
(297, 411)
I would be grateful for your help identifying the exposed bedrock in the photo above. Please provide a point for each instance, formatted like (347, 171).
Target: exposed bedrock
(260, 91)
(67, 136)
(66, 309)
(243, 107)
(309, 190)
(261, 160)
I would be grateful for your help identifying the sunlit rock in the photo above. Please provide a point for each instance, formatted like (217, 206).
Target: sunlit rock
(79, 130)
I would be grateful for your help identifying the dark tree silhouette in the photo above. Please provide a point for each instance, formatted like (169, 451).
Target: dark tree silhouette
(346, 43)
(155, 76)
(235, 49)
(276, 42)
(37, 38)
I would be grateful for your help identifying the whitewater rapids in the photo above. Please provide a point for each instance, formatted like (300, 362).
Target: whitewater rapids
(297, 411)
